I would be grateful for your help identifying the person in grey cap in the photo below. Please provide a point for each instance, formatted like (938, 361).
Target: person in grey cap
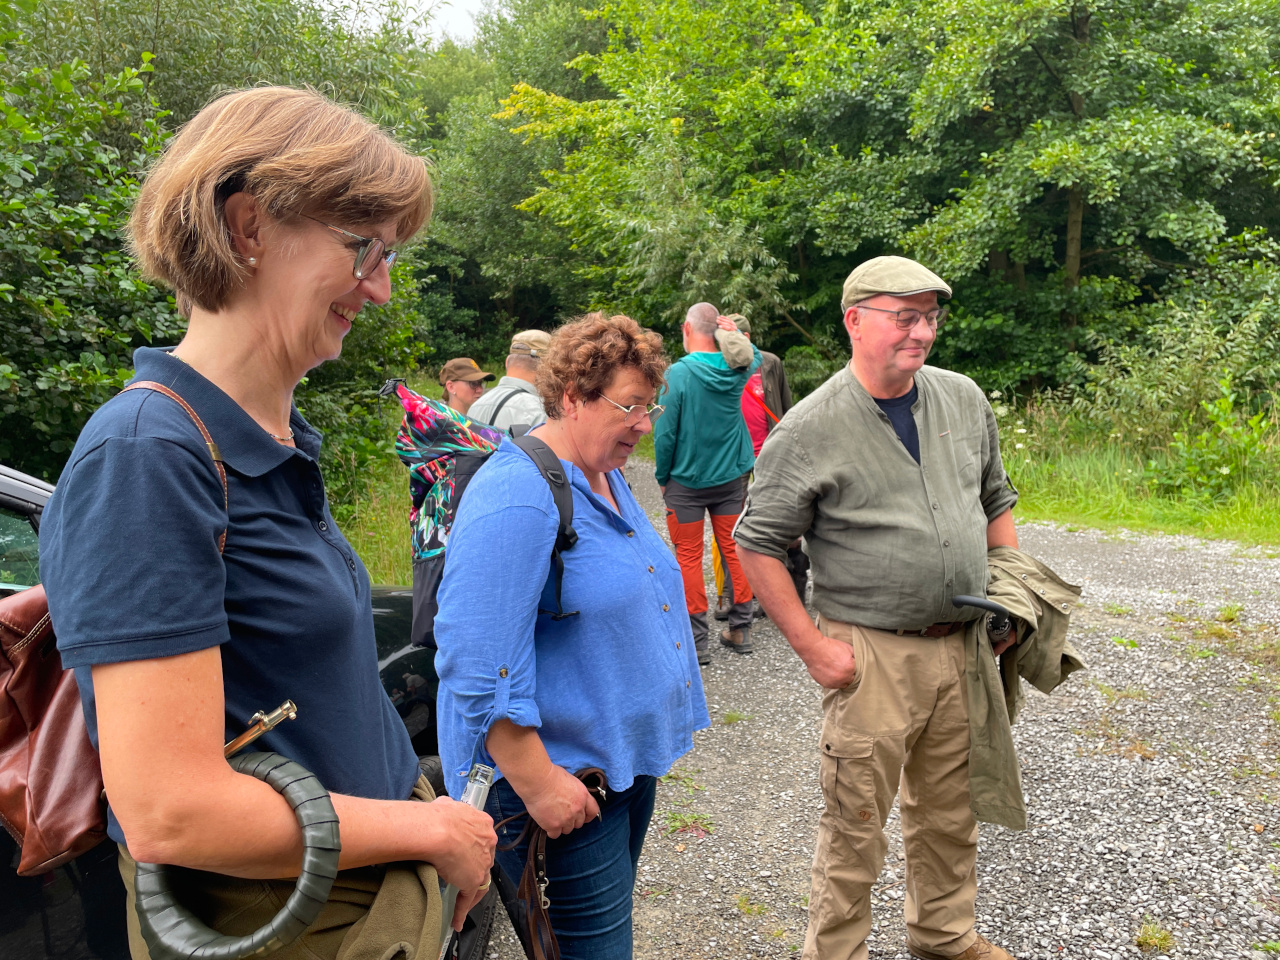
(514, 400)
(891, 471)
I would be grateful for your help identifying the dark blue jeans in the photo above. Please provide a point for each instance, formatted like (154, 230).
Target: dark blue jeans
(591, 872)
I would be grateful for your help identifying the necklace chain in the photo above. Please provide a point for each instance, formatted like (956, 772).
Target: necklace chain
(264, 429)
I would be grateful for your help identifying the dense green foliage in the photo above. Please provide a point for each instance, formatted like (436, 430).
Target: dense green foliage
(1096, 178)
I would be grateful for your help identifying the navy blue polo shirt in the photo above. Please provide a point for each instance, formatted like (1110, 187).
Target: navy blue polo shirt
(129, 559)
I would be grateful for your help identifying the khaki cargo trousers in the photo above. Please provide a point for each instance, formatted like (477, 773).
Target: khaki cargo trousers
(903, 719)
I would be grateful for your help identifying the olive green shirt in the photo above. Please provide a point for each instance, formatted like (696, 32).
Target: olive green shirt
(891, 540)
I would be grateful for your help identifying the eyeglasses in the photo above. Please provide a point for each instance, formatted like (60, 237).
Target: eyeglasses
(369, 251)
(907, 319)
(638, 411)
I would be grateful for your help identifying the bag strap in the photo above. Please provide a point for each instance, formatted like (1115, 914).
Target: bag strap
(208, 441)
(548, 464)
(751, 393)
(532, 891)
(511, 392)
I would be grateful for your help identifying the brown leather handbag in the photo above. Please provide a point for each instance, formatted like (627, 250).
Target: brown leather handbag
(51, 797)
(50, 781)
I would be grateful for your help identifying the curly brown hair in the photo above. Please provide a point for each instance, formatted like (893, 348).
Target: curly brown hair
(587, 353)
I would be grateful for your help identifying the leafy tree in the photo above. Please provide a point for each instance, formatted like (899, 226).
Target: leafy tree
(497, 267)
(71, 306)
(1060, 161)
(81, 91)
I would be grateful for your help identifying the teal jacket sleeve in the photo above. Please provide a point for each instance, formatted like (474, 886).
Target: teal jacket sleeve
(665, 430)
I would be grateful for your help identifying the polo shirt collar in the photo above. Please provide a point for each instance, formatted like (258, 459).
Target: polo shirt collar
(245, 446)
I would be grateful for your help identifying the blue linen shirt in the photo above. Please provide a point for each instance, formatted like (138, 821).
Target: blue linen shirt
(617, 686)
(129, 559)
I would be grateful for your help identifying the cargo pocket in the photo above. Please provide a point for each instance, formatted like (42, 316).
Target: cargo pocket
(848, 781)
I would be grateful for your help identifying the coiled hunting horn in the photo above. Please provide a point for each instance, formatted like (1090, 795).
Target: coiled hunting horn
(172, 932)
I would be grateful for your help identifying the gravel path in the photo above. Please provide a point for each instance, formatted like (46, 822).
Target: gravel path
(1150, 779)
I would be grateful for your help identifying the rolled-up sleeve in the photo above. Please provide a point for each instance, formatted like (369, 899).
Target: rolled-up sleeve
(998, 493)
(496, 569)
(780, 502)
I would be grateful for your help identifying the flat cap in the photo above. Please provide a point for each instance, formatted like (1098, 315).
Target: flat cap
(463, 368)
(531, 343)
(894, 275)
(743, 324)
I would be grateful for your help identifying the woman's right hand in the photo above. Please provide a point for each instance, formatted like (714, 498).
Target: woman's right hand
(561, 803)
(464, 853)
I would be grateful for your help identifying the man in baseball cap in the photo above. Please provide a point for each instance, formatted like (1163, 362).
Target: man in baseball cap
(463, 382)
(515, 400)
(891, 472)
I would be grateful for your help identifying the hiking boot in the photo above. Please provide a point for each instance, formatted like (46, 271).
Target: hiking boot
(704, 654)
(722, 608)
(739, 641)
(982, 949)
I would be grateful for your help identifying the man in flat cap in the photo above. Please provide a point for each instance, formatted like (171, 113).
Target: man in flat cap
(514, 399)
(891, 471)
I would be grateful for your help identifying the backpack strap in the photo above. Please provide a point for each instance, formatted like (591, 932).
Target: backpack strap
(511, 392)
(548, 464)
(204, 432)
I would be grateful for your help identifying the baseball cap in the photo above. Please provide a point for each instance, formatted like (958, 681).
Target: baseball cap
(744, 325)
(463, 368)
(531, 343)
(894, 275)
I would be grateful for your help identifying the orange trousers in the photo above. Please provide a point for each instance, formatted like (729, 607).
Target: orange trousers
(686, 513)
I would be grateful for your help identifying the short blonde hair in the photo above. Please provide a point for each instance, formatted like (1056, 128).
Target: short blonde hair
(296, 152)
(586, 353)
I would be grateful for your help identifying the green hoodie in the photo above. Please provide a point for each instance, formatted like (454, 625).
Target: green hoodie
(701, 440)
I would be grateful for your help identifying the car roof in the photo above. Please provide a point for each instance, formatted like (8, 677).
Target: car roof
(23, 492)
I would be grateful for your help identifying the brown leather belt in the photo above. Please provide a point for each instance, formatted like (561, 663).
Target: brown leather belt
(936, 629)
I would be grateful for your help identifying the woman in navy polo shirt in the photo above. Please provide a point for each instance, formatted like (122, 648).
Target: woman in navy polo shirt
(273, 215)
(615, 686)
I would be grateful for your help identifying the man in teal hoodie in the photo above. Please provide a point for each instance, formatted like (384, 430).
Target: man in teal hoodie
(704, 454)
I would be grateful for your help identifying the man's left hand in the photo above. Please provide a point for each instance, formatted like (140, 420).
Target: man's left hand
(1006, 643)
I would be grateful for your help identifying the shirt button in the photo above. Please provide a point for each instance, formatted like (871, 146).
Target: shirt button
(665, 608)
(351, 562)
(935, 506)
(502, 672)
(631, 533)
(323, 526)
(948, 583)
(946, 543)
(651, 569)
(686, 683)
(677, 644)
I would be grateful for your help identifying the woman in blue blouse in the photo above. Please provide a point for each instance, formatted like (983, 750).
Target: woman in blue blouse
(615, 686)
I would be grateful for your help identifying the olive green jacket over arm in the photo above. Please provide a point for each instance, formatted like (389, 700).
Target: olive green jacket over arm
(1041, 603)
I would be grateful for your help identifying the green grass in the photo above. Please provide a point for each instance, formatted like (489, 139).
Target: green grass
(1103, 487)
(1152, 937)
(378, 526)
(698, 824)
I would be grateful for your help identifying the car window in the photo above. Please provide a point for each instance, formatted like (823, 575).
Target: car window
(19, 551)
